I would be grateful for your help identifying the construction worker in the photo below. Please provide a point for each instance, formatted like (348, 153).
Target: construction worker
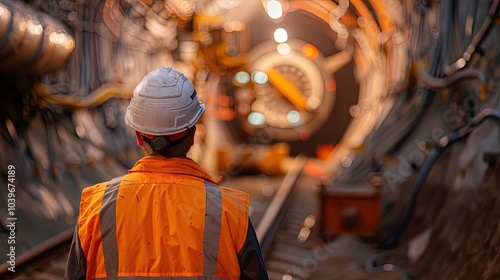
(167, 218)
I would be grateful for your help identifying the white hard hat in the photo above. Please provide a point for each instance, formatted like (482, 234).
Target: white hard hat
(164, 103)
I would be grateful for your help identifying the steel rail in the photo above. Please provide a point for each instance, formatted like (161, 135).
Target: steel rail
(38, 252)
(276, 210)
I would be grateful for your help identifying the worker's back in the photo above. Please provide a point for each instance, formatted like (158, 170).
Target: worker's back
(165, 218)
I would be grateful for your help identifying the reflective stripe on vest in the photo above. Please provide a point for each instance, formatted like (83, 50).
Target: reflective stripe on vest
(108, 227)
(211, 233)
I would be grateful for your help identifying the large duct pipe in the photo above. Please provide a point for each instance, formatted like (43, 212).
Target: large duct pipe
(30, 41)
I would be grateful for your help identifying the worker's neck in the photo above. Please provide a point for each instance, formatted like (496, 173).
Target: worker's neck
(170, 153)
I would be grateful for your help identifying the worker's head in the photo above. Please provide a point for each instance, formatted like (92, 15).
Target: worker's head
(163, 112)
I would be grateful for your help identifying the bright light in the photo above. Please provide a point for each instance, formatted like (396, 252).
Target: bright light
(58, 38)
(234, 26)
(259, 77)
(303, 235)
(256, 118)
(346, 161)
(61, 39)
(70, 43)
(22, 26)
(309, 221)
(293, 117)
(280, 35)
(313, 103)
(242, 77)
(3, 10)
(310, 51)
(274, 9)
(267, 190)
(34, 27)
(283, 48)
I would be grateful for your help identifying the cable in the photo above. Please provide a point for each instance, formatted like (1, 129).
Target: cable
(444, 143)
(439, 83)
(370, 266)
(393, 238)
(96, 98)
(478, 38)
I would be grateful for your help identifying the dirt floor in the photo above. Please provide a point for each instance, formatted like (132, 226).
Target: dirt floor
(455, 231)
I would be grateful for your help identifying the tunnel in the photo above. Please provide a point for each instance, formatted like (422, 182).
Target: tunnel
(365, 133)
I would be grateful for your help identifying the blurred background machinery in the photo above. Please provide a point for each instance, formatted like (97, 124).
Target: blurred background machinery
(390, 100)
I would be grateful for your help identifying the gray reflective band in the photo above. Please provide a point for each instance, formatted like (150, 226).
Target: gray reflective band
(211, 234)
(108, 227)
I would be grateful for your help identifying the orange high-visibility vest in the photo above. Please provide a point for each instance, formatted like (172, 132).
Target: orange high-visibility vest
(166, 218)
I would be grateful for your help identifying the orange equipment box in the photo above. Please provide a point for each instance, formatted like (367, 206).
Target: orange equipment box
(350, 210)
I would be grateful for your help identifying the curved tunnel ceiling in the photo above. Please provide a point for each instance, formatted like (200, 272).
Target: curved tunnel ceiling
(365, 60)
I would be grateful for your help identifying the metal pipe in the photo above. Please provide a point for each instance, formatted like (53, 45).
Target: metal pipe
(274, 215)
(476, 41)
(439, 83)
(445, 142)
(96, 98)
(30, 41)
(371, 268)
(24, 258)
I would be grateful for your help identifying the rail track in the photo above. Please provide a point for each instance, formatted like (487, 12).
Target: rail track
(285, 231)
(291, 245)
(44, 262)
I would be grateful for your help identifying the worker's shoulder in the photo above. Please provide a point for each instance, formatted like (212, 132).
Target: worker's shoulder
(95, 187)
(235, 193)
(94, 190)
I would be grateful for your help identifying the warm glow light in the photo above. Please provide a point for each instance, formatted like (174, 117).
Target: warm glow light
(346, 161)
(61, 39)
(267, 190)
(283, 49)
(3, 10)
(309, 221)
(293, 117)
(242, 77)
(234, 26)
(303, 235)
(34, 27)
(256, 118)
(310, 51)
(22, 26)
(259, 77)
(280, 35)
(331, 85)
(274, 9)
(56, 38)
(313, 103)
(70, 43)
